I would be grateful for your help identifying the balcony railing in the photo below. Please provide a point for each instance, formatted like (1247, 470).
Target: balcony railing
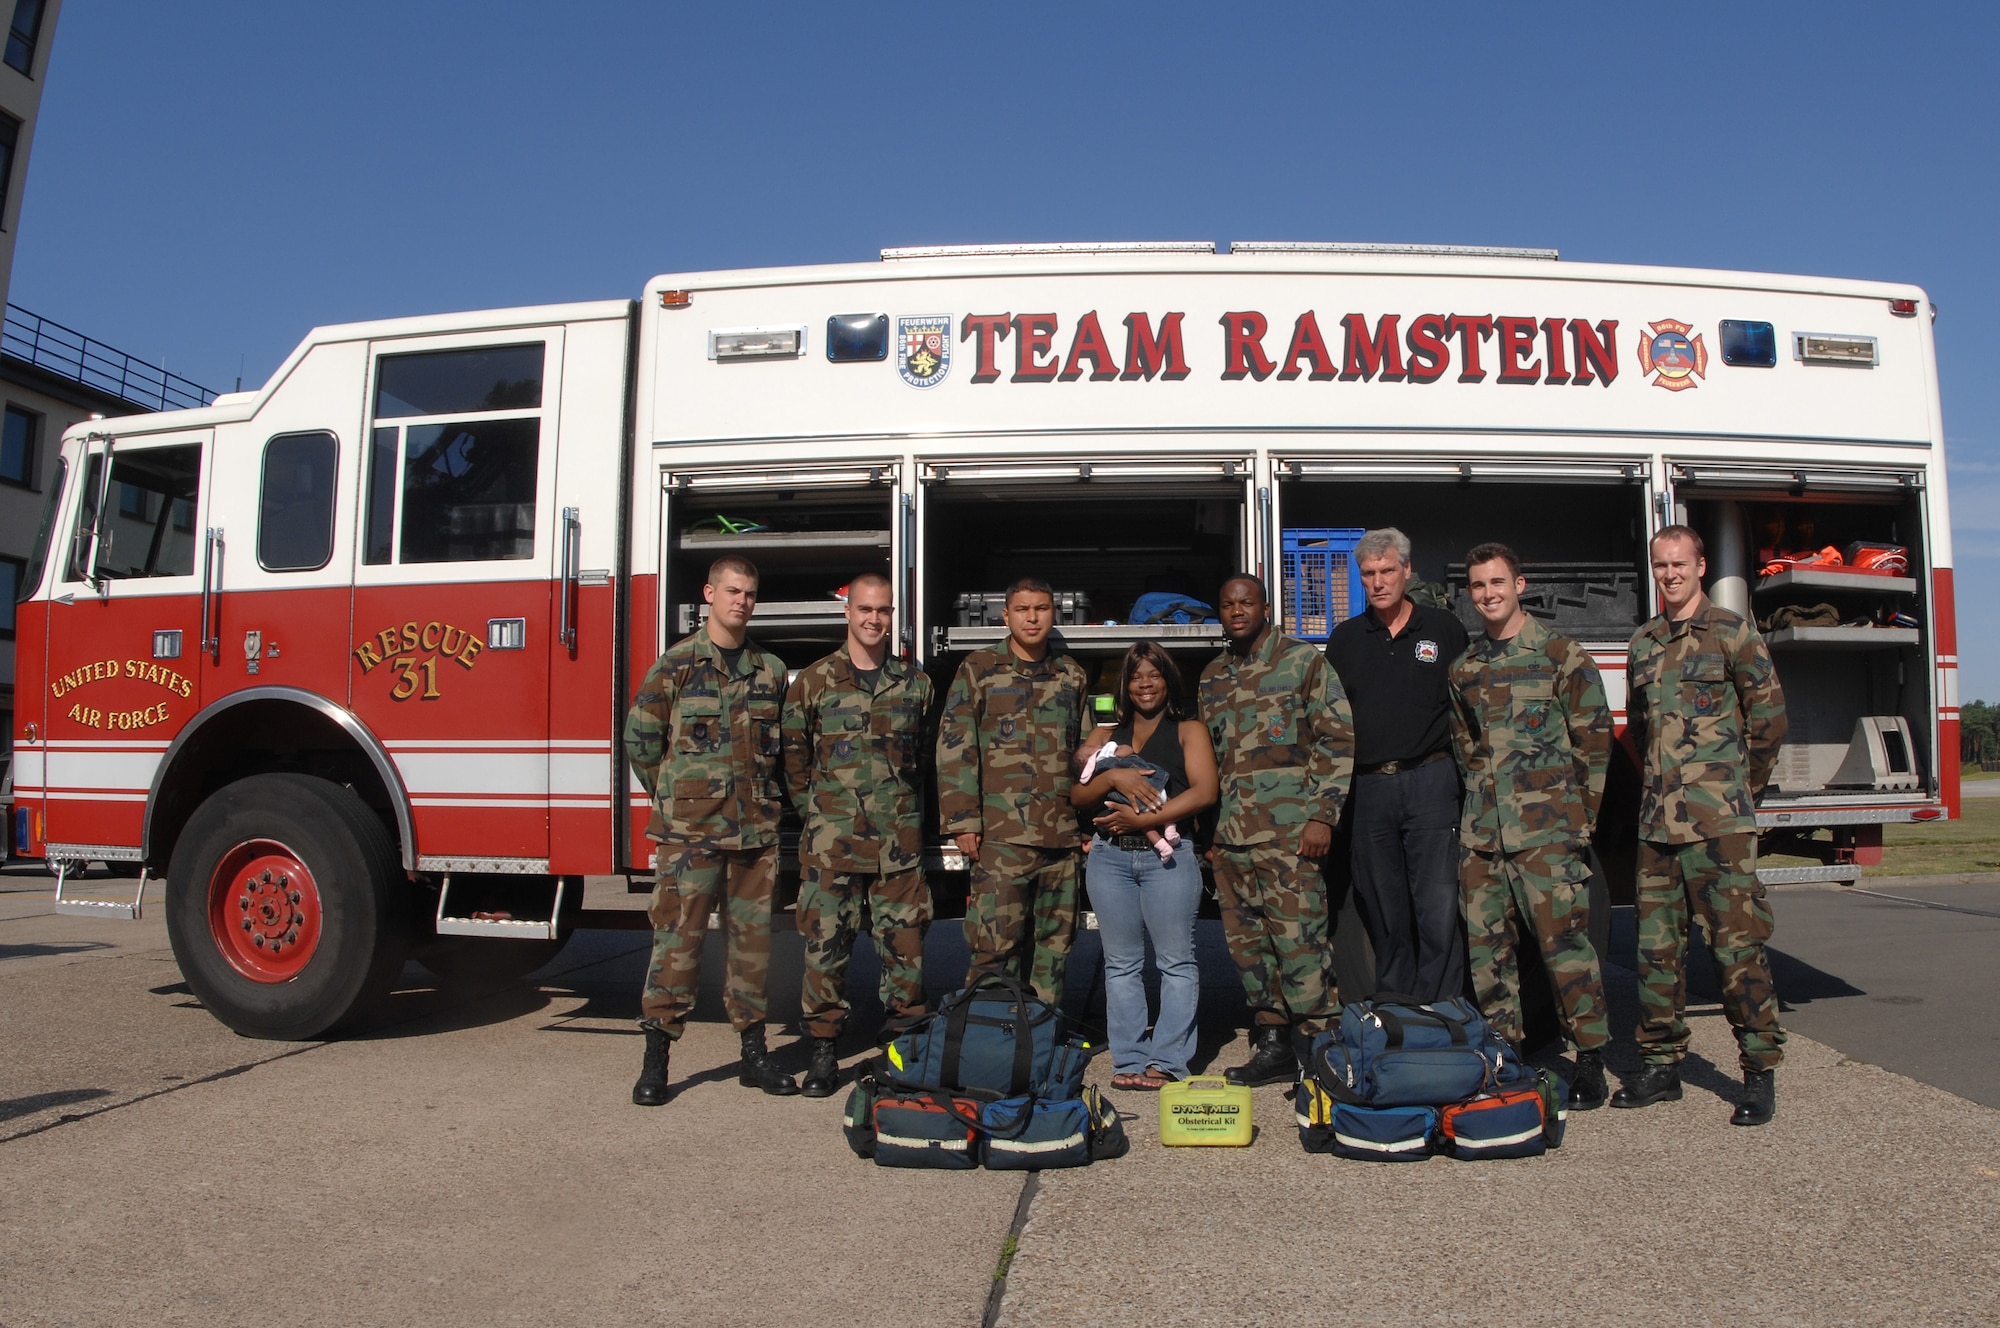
(70, 354)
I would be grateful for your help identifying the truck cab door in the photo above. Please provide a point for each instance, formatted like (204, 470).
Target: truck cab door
(126, 625)
(454, 587)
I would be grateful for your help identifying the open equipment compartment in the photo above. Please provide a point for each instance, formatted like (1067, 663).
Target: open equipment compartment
(1099, 537)
(1099, 534)
(808, 537)
(1849, 643)
(1579, 530)
(810, 531)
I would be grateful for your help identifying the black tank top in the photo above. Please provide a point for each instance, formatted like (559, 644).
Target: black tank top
(1163, 749)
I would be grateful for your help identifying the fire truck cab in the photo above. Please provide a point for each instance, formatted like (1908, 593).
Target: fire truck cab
(346, 658)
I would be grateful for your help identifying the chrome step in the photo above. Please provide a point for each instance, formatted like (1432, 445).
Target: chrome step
(520, 929)
(98, 908)
(1834, 871)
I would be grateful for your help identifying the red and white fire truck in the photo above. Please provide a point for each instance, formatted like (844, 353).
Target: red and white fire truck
(396, 600)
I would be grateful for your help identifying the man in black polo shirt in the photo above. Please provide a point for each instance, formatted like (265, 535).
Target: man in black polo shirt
(1394, 662)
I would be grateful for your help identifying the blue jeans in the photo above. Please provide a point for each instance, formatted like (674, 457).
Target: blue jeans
(1138, 897)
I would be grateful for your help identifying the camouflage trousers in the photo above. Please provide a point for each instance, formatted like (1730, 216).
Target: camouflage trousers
(1274, 920)
(689, 882)
(1542, 894)
(1717, 878)
(1021, 915)
(832, 905)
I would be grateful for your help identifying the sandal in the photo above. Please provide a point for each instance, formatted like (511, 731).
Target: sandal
(1150, 1081)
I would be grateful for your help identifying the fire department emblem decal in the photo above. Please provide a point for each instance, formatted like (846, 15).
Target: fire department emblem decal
(1676, 358)
(923, 349)
(1427, 652)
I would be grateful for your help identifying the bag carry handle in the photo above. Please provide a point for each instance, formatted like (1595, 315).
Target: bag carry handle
(1392, 1025)
(1205, 1083)
(1024, 1032)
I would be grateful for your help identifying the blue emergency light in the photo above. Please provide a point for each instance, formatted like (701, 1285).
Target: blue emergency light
(1753, 345)
(857, 337)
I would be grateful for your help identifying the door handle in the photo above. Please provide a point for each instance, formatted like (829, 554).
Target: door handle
(211, 615)
(572, 556)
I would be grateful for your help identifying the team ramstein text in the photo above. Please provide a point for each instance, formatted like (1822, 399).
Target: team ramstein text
(1500, 348)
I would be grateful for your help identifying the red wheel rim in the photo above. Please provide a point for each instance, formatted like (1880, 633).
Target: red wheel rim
(264, 911)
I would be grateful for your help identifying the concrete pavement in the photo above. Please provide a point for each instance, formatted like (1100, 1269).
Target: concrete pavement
(471, 1159)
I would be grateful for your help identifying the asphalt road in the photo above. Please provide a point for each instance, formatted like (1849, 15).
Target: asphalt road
(470, 1158)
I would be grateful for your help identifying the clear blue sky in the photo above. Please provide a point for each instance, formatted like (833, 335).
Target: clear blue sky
(209, 180)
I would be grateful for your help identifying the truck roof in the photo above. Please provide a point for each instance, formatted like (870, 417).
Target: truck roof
(1264, 258)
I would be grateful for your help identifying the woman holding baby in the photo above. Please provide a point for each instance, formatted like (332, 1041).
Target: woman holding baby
(1150, 773)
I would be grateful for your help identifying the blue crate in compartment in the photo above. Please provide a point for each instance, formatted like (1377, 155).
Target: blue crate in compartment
(1322, 582)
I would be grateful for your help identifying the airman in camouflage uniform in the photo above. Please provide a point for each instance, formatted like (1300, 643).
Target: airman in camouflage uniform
(703, 738)
(1533, 738)
(1011, 723)
(853, 751)
(1708, 717)
(1284, 739)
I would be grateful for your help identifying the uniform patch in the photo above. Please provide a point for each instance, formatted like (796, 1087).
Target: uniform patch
(1277, 729)
(1427, 652)
(1672, 356)
(1535, 716)
(923, 349)
(1704, 701)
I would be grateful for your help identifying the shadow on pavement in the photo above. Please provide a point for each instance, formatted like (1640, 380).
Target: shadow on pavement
(40, 949)
(1798, 982)
(14, 1108)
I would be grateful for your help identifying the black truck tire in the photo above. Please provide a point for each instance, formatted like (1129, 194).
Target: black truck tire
(280, 906)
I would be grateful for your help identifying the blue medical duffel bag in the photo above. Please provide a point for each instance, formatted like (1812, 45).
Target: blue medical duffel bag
(1395, 1051)
(995, 1037)
(1372, 1134)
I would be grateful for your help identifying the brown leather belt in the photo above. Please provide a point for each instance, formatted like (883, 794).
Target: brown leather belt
(1398, 767)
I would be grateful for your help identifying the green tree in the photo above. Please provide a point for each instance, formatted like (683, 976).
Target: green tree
(1979, 732)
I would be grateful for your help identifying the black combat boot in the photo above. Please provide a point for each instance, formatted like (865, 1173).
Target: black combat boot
(824, 1075)
(1273, 1062)
(757, 1069)
(1588, 1089)
(1760, 1098)
(651, 1090)
(1655, 1083)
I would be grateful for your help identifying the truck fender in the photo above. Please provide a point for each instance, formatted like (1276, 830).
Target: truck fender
(357, 732)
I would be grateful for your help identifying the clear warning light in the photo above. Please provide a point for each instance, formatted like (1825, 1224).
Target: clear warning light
(755, 343)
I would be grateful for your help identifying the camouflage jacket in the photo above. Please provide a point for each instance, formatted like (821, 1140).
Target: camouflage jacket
(853, 765)
(1707, 716)
(1284, 740)
(1533, 736)
(1004, 745)
(706, 744)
